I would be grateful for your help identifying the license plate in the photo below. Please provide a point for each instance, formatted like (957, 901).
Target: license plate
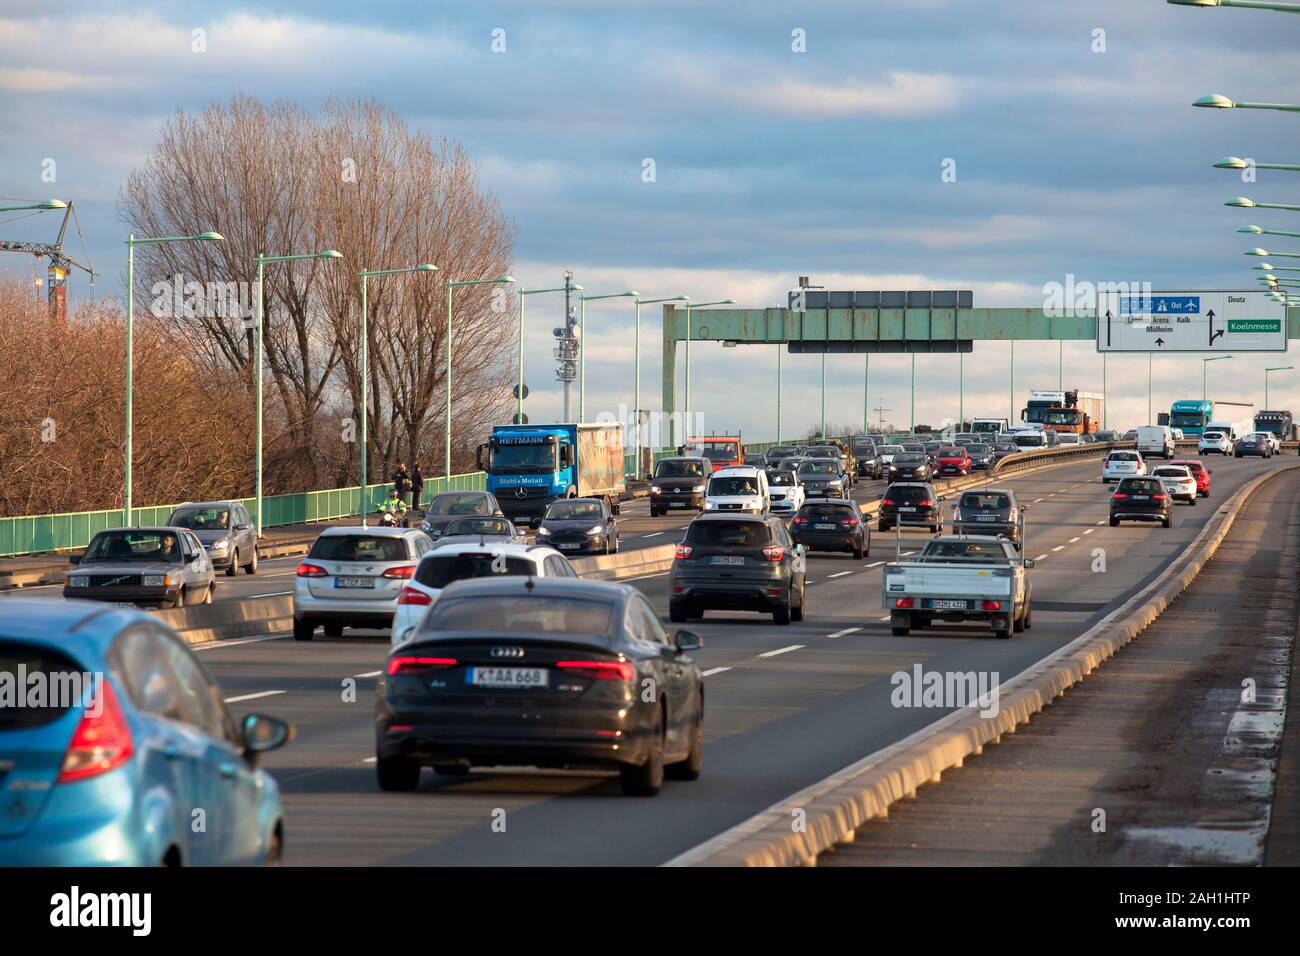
(729, 559)
(906, 509)
(954, 605)
(986, 517)
(524, 677)
(568, 546)
(823, 527)
(342, 582)
(1138, 497)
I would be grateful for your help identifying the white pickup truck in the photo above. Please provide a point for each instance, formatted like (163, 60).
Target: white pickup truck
(960, 578)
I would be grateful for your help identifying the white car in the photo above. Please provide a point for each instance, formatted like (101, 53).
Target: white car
(1215, 441)
(456, 562)
(1177, 433)
(741, 488)
(1068, 438)
(1178, 481)
(1273, 441)
(351, 578)
(1122, 464)
(785, 491)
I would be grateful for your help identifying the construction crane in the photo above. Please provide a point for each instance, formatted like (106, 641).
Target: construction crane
(59, 264)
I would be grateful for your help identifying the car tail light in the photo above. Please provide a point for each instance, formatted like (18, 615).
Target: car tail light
(926, 503)
(1119, 495)
(849, 522)
(887, 501)
(773, 592)
(774, 552)
(683, 552)
(991, 606)
(905, 602)
(956, 513)
(101, 741)
(416, 665)
(1012, 516)
(413, 596)
(311, 571)
(405, 571)
(600, 670)
(800, 521)
(1159, 497)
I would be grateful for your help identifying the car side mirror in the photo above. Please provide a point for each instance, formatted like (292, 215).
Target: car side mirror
(1024, 509)
(687, 641)
(262, 733)
(74, 559)
(1030, 562)
(881, 496)
(243, 527)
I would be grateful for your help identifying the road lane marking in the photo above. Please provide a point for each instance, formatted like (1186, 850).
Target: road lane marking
(875, 564)
(838, 574)
(645, 576)
(369, 760)
(782, 650)
(1036, 500)
(1101, 522)
(210, 645)
(1040, 557)
(252, 597)
(369, 674)
(713, 670)
(653, 534)
(847, 630)
(1072, 540)
(884, 618)
(265, 693)
(1059, 547)
(1090, 531)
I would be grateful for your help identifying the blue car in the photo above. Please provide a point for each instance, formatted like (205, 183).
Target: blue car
(116, 747)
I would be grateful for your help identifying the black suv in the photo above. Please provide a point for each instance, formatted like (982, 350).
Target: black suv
(1141, 499)
(866, 459)
(832, 526)
(679, 483)
(910, 504)
(737, 563)
(991, 511)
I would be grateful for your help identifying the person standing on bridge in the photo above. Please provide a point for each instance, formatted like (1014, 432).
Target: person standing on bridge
(417, 484)
(401, 481)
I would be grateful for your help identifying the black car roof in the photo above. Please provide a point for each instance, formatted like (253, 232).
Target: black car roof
(550, 587)
(731, 516)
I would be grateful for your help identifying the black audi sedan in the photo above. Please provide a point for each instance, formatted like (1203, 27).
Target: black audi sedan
(544, 672)
(832, 526)
(1141, 499)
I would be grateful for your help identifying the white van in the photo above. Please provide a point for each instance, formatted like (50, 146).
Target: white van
(1233, 430)
(741, 488)
(1155, 440)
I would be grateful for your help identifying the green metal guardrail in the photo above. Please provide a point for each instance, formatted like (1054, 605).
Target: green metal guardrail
(35, 534)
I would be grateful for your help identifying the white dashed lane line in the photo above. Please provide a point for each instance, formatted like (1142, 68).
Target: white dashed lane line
(1090, 531)
(265, 693)
(782, 650)
(875, 564)
(1072, 540)
(369, 674)
(1059, 547)
(846, 631)
(272, 594)
(1040, 557)
(714, 670)
(839, 574)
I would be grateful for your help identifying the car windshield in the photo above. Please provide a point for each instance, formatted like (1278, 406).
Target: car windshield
(985, 500)
(890, 449)
(521, 614)
(439, 570)
(863, 444)
(679, 468)
(729, 534)
(957, 452)
(781, 479)
(1028, 441)
(134, 545)
(358, 547)
(714, 451)
(733, 485)
(1005, 446)
(819, 468)
(573, 511)
(494, 526)
(200, 519)
(511, 456)
(977, 449)
(454, 503)
(909, 458)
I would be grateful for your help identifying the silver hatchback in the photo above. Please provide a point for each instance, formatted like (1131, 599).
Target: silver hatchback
(352, 576)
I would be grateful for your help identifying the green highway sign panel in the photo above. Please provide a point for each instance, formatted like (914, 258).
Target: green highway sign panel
(1200, 321)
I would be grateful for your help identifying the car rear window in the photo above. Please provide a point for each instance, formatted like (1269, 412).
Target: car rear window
(1195, 468)
(439, 570)
(985, 501)
(358, 547)
(521, 614)
(729, 534)
(908, 493)
(60, 678)
(1170, 471)
(1124, 456)
(846, 510)
(1140, 486)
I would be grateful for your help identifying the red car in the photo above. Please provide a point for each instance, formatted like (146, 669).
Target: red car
(1199, 472)
(952, 461)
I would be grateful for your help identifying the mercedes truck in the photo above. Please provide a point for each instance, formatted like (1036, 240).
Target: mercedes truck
(529, 466)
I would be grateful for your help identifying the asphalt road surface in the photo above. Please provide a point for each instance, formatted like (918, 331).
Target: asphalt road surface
(786, 706)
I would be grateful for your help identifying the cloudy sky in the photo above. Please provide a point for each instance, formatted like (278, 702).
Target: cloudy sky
(769, 163)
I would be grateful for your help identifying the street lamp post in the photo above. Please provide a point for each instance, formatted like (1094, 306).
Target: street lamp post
(1257, 231)
(1236, 162)
(636, 361)
(1276, 368)
(572, 287)
(1217, 101)
(261, 263)
(363, 505)
(1242, 202)
(582, 343)
(1247, 4)
(912, 427)
(447, 411)
(131, 243)
(42, 204)
(1205, 364)
(689, 307)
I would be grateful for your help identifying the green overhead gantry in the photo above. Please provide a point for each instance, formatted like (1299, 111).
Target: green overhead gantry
(870, 331)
